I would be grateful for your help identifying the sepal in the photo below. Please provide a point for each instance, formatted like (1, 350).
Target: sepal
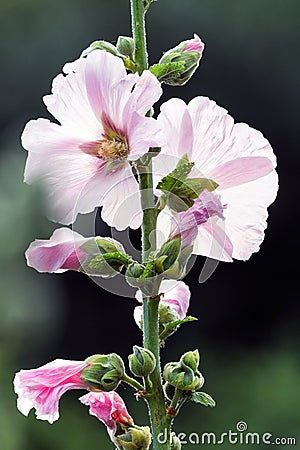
(104, 372)
(135, 438)
(100, 45)
(125, 46)
(142, 362)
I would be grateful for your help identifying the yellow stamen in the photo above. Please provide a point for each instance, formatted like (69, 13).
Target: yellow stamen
(113, 149)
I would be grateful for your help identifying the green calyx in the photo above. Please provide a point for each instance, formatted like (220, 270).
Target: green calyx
(136, 438)
(184, 375)
(142, 362)
(176, 66)
(104, 372)
(107, 257)
(125, 46)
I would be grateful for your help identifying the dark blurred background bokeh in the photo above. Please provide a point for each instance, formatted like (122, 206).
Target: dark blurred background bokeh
(248, 328)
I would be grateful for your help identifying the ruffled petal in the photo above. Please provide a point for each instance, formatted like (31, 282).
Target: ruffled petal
(121, 204)
(212, 241)
(58, 254)
(108, 87)
(218, 140)
(70, 105)
(42, 388)
(241, 170)
(246, 214)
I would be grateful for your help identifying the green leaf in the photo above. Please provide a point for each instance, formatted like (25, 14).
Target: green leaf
(171, 326)
(179, 174)
(181, 191)
(203, 398)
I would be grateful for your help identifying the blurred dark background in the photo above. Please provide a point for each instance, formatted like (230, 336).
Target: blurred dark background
(248, 328)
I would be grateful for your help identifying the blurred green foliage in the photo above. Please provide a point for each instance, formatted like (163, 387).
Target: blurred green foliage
(250, 64)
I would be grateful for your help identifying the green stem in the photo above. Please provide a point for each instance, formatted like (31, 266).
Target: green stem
(132, 382)
(139, 34)
(155, 399)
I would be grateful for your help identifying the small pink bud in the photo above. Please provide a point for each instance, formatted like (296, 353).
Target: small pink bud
(194, 45)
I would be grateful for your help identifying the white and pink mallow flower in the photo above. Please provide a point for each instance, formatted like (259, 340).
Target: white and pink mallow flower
(174, 303)
(42, 388)
(84, 162)
(108, 407)
(236, 157)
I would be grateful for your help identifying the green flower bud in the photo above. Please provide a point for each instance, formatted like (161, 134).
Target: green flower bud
(143, 277)
(180, 376)
(191, 359)
(125, 45)
(167, 255)
(175, 442)
(169, 391)
(100, 45)
(180, 62)
(136, 438)
(109, 245)
(104, 371)
(200, 382)
(142, 362)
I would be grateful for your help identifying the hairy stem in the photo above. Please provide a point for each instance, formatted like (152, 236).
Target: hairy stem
(132, 382)
(155, 399)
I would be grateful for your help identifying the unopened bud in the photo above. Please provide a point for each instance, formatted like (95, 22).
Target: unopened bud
(167, 255)
(191, 359)
(181, 377)
(136, 438)
(125, 45)
(142, 362)
(104, 372)
(188, 53)
(100, 45)
(175, 442)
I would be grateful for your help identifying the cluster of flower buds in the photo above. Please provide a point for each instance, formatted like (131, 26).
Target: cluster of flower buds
(184, 375)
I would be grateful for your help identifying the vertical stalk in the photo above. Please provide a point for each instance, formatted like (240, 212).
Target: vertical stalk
(156, 403)
(139, 34)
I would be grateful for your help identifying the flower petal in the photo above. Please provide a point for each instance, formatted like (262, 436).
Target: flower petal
(246, 214)
(42, 388)
(58, 254)
(241, 170)
(121, 203)
(70, 105)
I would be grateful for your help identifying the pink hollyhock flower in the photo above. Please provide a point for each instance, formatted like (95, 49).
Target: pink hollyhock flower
(42, 388)
(109, 408)
(175, 294)
(84, 161)
(194, 45)
(185, 224)
(238, 158)
(60, 253)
